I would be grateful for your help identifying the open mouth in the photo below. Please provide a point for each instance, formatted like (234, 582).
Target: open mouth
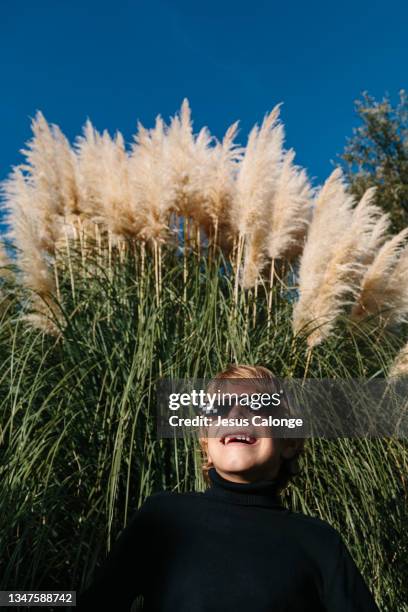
(237, 439)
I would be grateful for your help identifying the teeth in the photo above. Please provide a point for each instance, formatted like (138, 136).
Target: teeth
(241, 437)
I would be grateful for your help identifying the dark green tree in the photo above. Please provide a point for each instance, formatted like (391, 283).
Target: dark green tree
(377, 154)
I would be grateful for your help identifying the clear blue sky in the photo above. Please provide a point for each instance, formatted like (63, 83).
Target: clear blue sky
(120, 61)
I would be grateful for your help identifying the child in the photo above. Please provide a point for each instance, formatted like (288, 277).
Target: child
(233, 547)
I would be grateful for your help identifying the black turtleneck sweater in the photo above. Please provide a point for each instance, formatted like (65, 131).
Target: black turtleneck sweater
(232, 548)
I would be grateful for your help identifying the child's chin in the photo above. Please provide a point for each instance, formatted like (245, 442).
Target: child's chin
(238, 464)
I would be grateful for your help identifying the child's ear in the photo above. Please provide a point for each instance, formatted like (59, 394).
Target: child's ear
(204, 446)
(209, 460)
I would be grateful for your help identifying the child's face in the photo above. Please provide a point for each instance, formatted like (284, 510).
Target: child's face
(260, 459)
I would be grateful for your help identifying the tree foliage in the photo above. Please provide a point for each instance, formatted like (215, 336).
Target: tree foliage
(377, 154)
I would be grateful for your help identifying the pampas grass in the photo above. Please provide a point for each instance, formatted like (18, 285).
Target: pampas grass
(4, 260)
(334, 259)
(152, 190)
(384, 291)
(104, 185)
(215, 180)
(189, 190)
(291, 211)
(256, 185)
(399, 367)
(35, 238)
(186, 154)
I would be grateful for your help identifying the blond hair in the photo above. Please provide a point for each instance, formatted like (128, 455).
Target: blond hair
(289, 467)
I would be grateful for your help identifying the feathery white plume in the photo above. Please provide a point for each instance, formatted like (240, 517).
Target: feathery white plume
(40, 196)
(400, 365)
(215, 181)
(184, 154)
(152, 191)
(50, 173)
(384, 287)
(291, 211)
(256, 185)
(35, 262)
(29, 233)
(332, 263)
(104, 184)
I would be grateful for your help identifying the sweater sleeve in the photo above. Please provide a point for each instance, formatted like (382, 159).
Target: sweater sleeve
(118, 581)
(347, 590)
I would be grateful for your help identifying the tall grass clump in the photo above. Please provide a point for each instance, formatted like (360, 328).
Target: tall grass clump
(172, 258)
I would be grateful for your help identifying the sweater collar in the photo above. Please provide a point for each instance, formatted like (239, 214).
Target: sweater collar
(259, 493)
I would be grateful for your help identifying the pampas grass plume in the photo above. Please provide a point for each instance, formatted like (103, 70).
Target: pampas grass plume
(332, 264)
(256, 183)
